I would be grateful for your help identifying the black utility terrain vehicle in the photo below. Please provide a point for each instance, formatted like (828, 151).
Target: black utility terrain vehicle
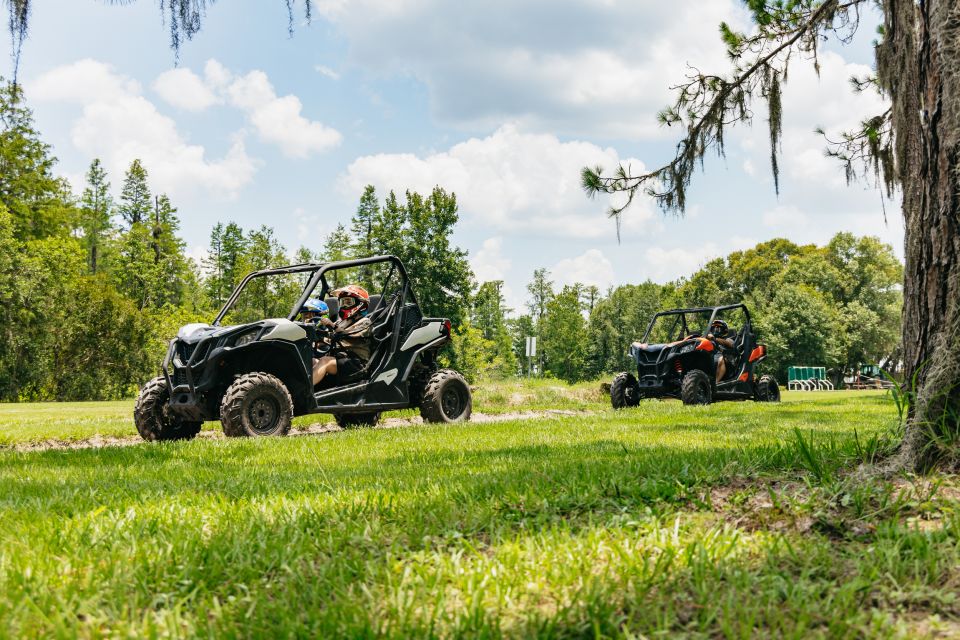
(677, 359)
(255, 374)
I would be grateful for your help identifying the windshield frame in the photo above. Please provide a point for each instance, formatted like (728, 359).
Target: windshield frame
(713, 311)
(317, 278)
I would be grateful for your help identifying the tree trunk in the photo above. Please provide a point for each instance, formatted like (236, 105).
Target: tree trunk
(919, 66)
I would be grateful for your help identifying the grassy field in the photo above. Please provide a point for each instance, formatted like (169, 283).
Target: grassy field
(733, 520)
(72, 421)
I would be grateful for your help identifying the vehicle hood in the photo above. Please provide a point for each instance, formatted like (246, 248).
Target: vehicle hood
(282, 329)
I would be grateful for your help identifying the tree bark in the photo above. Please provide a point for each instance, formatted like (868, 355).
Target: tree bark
(919, 66)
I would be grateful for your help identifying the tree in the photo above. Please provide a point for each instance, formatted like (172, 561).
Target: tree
(335, 248)
(362, 241)
(95, 206)
(488, 314)
(914, 145)
(136, 202)
(227, 245)
(562, 330)
(541, 293)
(36, 200)
(618, 320)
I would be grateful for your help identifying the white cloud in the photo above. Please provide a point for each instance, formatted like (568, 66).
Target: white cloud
(508, 181)
(578, 67)
(785, 216)
(589, 268)
(667, 264)
(278, 119)
(117, 124)
(488, 263)
(326, 72)
(185, 90)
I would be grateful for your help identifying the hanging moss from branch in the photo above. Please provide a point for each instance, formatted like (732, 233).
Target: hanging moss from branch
(184, 19)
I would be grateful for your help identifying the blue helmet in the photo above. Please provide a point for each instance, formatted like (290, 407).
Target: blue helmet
(315, 306)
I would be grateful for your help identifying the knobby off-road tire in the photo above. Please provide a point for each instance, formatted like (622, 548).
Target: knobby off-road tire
(696, 388)
(767, 389)
(256, 404)
(354, 420)
(446, 398)
(624, 392)
(153, 419)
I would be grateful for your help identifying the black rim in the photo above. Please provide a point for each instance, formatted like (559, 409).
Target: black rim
(452, 401)
(264, 414)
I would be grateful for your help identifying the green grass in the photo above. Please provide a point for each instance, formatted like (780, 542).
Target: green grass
(665, 519)
(72, 421)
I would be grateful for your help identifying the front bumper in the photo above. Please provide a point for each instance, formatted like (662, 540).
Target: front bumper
(181, 376)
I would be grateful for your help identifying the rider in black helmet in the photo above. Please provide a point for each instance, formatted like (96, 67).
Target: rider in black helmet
(718, 333)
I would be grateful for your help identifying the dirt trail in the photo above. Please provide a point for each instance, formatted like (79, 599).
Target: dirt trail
(313, 429)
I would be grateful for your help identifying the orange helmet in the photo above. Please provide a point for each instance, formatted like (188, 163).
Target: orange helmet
(353, 299)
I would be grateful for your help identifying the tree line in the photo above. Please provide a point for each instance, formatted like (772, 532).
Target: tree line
(836, 306)
(93, 286)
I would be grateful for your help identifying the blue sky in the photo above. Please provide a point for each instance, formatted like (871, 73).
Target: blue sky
(499, 101)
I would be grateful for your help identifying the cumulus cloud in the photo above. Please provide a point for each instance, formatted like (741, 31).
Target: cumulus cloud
(577, 67)
(510, 181)
(118, 124)
(277, 119)
(590, 268)
(489, 263)
(185, 90)
(666, 264)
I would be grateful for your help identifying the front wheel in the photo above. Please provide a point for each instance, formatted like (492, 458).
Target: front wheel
(696, 388)
(256, 404)
(767, 390)
(153, 419)
(624, 392)
(446, 398)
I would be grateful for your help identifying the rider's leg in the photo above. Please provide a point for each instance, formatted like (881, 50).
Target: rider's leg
(323, 367)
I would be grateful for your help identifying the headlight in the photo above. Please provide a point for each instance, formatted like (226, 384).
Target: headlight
(687, 348)
(243, 338)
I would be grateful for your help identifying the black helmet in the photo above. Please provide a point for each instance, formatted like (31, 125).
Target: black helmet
(719, 328)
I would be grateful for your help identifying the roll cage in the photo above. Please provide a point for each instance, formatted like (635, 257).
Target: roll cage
(318, 271)
(684, 326)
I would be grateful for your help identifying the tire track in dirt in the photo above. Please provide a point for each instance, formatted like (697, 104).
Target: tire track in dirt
(98, 441)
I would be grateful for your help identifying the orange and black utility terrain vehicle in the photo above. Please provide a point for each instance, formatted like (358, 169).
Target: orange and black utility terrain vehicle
(682, 351)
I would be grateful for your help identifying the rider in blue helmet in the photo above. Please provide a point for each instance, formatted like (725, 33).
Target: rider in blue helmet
(315, 311)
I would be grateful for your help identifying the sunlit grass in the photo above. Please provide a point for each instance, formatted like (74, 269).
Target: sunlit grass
(596, 523)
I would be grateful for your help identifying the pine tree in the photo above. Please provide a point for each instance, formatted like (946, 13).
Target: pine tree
(95, 206)
(32, 195)
(363, 243)
(136, 203)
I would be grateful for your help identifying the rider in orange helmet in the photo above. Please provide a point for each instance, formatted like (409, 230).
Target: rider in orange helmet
(352, 331)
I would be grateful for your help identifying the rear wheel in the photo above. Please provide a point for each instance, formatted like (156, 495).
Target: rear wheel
(256, 404)
(446, 398)
(624, 392)
(767, 390)
(153, 419)
(696, 388)
(353, 420)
